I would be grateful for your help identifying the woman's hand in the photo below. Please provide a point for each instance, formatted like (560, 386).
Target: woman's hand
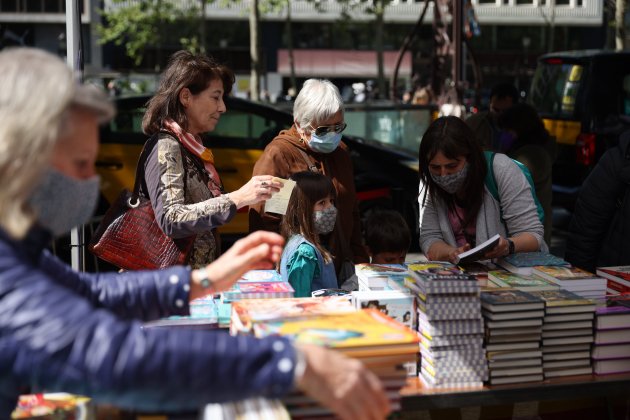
(259, 250)
(342, 384)
(441, 251)
(453, 255)
(501, 249)
(259, 188)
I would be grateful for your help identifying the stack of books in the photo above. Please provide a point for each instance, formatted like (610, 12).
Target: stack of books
(480, 270)
(512, 335)
(204, 314)
(250, 409)
(567, 333)
(618, 278)
(575, 280)
(380, 276)
(611, 349)
(524, 262)
(524, 282)
(255, 284)
(382, 344)
(451, 329)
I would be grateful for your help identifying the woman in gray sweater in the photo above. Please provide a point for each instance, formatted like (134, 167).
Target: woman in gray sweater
(457, 210)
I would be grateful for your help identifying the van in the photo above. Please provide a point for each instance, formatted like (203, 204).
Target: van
(583, 98)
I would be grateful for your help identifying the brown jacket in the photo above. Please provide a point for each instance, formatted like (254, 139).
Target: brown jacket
(282, 158)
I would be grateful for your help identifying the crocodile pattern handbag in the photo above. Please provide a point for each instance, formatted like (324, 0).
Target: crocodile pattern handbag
(129, 236)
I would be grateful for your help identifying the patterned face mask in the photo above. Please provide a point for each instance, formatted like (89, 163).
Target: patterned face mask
(453, 182)
(324, 220)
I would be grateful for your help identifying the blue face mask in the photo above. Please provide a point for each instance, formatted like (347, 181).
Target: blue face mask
(326, 143)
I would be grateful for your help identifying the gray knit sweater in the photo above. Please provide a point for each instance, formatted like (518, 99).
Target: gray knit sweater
(519, 210)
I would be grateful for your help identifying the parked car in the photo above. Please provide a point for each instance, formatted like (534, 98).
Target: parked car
(385, 176)
(584, 100)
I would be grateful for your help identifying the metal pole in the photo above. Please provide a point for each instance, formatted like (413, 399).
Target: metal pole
(74, 58)
(458, 22)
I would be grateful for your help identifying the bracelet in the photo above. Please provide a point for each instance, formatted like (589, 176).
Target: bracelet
(204, 280)
(510, 247)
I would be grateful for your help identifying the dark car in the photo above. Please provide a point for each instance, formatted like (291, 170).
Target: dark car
(584, 100)
(385, 176)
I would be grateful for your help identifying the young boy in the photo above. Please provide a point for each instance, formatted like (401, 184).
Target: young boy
(387, 237)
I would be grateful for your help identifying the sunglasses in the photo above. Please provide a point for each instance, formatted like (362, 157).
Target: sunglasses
(325, 129)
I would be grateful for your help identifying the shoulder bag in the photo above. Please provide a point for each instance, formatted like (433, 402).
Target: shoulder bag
(129, 236)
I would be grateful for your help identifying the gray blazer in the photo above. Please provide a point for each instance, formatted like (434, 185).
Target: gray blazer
(519, 210)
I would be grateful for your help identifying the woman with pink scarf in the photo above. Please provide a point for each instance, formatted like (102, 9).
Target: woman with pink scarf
(179, 173)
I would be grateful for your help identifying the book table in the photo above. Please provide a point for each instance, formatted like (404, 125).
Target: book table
(416, 397)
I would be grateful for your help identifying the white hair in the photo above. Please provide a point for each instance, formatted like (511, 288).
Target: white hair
(37, 91)
(318, 101)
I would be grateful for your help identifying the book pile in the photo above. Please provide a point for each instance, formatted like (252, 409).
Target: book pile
(524, 262)
(250, 409)
(575, 280)
(617, 279)
(480, 270)
(450, 326)
(259, 284)
(567, 333)
(611, 349)
(380, 276)
(513, 331)
(523, 282)
(255, 284)
(203, 315)
(382, 344)
(54, 405)
(397, 304)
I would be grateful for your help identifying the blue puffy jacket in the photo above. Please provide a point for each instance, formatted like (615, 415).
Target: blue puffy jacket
(61, 330)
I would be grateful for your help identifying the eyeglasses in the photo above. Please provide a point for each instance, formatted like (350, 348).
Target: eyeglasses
(325, 129)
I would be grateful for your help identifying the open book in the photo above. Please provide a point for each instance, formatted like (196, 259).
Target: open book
(478, 252)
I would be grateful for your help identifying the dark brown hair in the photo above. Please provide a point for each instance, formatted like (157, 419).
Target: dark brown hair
(452, 137)
(387, 231)
(524, 120)
(184, 70)
(310, 187)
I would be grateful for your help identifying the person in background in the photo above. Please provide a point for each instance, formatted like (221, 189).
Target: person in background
(485, 124)
(314, 144)
(180, 175)
(311, 216)
(600, 226)
(524, 138)
(63, 330)
(457, 210)
(387, 237)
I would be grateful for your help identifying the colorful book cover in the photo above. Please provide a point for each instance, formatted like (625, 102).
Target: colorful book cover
(531, 259)
(568, 276)
(253, 290)
(520, 281)
(249, 311)
(354, 333)
(510, 300)
(561, 297)
(380, 269)
(435, 267)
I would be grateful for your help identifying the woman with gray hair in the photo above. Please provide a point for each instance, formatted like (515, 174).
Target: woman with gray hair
(314, 143)
(61, 330)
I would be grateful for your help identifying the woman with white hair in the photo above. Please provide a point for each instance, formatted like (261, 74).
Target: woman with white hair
(61, 330)
(314, 143)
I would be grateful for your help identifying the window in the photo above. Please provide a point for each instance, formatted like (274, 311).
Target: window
(555, 88)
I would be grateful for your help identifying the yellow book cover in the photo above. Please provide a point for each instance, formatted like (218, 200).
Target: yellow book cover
(367, 332)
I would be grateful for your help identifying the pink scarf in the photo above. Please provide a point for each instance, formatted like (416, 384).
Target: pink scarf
(194, 145)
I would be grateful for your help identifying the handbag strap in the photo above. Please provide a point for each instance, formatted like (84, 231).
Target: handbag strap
(309, 162)
(140, 181)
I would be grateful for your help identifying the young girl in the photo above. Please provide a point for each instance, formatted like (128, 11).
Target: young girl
(311, 215)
